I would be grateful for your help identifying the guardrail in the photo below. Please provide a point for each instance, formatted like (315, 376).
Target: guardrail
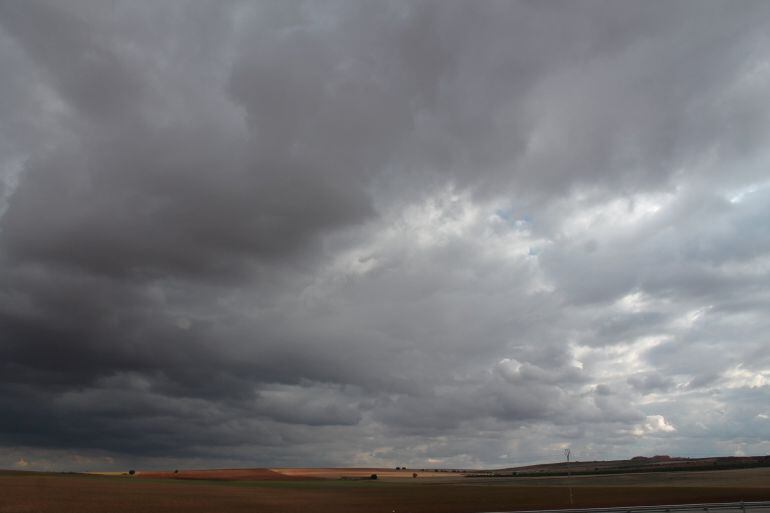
(742, 506)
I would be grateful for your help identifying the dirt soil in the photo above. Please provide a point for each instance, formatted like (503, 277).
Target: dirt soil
(66, 493)
(249, 474)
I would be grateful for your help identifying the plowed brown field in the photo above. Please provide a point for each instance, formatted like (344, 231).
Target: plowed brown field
(65, 493)
(248, 474)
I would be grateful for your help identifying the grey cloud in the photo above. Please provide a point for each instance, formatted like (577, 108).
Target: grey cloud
(82, 61)
(703, 380)
(602, 389)
(309, 406)
(647, 382)
(369, 232)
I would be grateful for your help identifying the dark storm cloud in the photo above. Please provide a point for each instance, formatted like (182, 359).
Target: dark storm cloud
(134, 192)
(369, 232)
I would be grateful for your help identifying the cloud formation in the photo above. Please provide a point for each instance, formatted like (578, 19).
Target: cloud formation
(366, 233)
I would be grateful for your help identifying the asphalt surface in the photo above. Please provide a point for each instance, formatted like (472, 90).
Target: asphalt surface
(735, 507)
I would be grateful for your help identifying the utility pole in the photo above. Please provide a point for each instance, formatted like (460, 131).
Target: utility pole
(567, 454)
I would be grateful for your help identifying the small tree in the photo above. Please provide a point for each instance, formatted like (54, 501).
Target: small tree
(373, 476)
(131, 472)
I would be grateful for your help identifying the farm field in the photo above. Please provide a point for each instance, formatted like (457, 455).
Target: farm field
(386, 474)
(739, 478)
(255, 474)
(82, 493)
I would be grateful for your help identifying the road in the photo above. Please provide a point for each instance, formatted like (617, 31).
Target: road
(732, 507)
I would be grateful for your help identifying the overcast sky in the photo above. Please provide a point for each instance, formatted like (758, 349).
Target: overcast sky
(380, 233)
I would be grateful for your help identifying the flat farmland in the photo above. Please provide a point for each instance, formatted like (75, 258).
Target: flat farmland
(71, 493)
(363, 473)
(739, 478)
(248, 474)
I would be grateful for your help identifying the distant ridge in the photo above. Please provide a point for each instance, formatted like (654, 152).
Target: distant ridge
(658, 463)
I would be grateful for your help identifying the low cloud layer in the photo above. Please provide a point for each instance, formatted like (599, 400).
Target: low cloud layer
(365, 233)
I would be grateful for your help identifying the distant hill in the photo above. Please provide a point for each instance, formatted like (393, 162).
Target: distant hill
(658, 463)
